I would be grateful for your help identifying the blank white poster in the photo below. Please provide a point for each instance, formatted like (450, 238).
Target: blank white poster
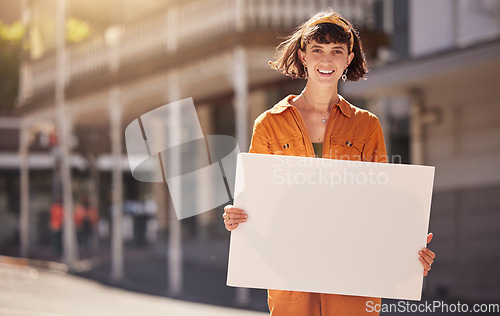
(330, 226)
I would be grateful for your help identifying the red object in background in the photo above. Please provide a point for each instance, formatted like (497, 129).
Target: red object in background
(83, 214)
(53, 140)
(56, 217)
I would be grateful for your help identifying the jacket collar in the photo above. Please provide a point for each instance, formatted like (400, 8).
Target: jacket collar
(344, 106)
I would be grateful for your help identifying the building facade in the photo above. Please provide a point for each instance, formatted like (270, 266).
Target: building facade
(441, 78)
(85, 94)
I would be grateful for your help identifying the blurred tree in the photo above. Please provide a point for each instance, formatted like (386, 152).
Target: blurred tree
(10, 56)
(11, 48)
(76, 30)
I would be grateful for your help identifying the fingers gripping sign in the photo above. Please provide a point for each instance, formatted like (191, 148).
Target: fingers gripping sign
(233, 217)
(427, 256)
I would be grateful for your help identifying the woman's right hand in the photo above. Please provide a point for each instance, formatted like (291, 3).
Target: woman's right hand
(233, 217)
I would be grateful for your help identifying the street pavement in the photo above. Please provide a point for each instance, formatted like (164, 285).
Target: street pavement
(30, 287)
(32, 291)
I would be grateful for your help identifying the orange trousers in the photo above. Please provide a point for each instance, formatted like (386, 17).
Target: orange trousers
(291, 303)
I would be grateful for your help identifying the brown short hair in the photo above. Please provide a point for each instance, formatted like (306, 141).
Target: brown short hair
(287, 60)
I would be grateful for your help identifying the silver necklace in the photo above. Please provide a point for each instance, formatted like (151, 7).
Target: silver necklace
(314, 109)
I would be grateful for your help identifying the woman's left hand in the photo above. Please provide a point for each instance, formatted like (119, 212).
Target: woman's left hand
(427, 256)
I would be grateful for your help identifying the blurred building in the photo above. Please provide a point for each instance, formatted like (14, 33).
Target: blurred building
(433, 86)
(137, 57)
(439, 102)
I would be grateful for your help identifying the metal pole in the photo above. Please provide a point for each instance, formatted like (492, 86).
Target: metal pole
(175, 255)
(381, 107)
(240, 81)
(24, 216)
(205, 192)
(115, 114)
(239, 13)
(94, 196)
(69, 238)
(416, 136)
(25, 69)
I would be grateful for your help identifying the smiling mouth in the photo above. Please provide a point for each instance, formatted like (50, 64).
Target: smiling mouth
(325, 72)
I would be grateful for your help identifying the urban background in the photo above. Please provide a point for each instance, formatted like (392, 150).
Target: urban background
(74, 74)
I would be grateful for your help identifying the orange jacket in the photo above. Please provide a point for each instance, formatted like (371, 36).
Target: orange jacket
(82, 214)
(351, 134)
(56, 217)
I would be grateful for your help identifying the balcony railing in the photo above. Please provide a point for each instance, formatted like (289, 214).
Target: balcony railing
(181, 26)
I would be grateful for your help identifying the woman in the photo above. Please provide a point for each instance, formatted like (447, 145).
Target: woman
(319, 122)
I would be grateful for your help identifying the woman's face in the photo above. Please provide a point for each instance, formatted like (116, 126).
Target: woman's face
(325, 62)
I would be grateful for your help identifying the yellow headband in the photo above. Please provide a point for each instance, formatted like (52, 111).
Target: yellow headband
(332, 20)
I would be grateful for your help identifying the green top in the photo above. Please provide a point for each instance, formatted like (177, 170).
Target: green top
(318, 149)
